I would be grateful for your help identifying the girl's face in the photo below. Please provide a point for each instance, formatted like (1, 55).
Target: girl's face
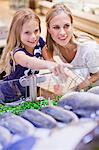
(60, 28)
(30, 34)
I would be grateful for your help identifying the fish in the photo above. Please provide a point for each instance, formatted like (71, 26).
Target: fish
(26, 143)
(84, 104)
(39, 119)
(94, 90)
(16, 124)
(5, 136)
(60, 114)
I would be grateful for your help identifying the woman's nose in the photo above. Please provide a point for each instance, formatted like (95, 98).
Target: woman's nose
(62, 31)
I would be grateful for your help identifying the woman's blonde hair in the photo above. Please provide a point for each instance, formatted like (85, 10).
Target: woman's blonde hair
(54, 11)
(13, 40)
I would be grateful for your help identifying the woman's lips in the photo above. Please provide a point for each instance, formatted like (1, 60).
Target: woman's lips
(62, 38)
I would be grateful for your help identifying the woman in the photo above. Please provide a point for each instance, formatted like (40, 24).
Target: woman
(82, 52)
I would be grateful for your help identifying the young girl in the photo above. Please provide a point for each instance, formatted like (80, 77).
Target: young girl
(82, 53)
(24, 46)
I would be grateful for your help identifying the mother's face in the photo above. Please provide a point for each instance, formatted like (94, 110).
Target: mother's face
(60, 29)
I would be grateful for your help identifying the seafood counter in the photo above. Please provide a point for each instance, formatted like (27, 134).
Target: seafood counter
(55, 126)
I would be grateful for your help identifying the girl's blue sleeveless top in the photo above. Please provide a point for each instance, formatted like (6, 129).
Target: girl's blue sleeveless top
(19, 70)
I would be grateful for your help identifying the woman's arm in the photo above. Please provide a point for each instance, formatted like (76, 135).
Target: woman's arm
(88, 82)
(91, 58)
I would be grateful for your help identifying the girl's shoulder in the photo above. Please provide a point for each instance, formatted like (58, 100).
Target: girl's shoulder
(18, 49)
(41, 42)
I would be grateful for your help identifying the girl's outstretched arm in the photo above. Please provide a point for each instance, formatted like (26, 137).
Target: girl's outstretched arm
(34, 63)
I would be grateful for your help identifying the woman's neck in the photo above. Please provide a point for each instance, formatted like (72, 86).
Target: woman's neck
(68, 51)
(69, 47)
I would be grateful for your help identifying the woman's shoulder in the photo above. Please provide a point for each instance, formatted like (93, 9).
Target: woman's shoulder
(87, 47)
(85, 40)
(87, 43)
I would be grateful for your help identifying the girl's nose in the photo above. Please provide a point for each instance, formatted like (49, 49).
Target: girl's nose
(33, 36)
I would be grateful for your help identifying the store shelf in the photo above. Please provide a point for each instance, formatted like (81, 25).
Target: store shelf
(86, 22)
(83, 21)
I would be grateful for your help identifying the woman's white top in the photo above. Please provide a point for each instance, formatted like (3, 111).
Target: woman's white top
(86, 60)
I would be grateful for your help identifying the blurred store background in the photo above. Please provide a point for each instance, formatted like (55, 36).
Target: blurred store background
(85, 12)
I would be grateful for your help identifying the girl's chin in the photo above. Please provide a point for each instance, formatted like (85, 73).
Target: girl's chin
(32, 44)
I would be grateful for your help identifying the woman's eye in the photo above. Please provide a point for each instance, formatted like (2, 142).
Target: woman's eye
(56, 27)
(66, 26)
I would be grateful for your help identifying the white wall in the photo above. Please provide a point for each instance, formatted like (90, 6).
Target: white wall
(92, 1)
(86, 1)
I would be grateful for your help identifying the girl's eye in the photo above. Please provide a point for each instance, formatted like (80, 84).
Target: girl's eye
(27, 32)
(36, 31)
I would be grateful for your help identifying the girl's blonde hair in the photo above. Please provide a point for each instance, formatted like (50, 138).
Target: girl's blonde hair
(54, 11)
(13, 40)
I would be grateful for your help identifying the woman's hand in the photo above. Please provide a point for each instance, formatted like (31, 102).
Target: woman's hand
(87, 83)
(83, 85)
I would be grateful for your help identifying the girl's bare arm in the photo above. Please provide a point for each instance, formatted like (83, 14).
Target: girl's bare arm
(37, 64)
